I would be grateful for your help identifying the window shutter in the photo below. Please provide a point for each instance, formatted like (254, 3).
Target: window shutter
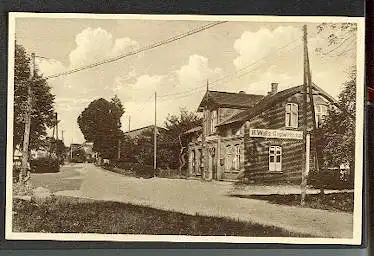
(288, 115)
(296, 115)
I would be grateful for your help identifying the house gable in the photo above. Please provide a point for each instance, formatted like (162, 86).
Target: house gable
(290, 95)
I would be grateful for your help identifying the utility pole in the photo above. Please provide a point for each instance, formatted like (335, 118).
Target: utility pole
(305, 119)
(204, 150)
(314, 123)
(62, 136)
(129, 123)
(56, 126)
(26, 136)
(119, 149)
(155, 138)
(56, 134)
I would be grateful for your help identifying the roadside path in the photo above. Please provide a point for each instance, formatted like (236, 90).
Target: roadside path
(209, 199)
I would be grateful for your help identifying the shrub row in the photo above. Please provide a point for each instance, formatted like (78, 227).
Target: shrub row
(141, 170)
(331, 179)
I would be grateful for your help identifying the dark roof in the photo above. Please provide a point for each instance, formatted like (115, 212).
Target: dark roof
(270, 100)
(139, 131)
(229, 99)
(192, 130)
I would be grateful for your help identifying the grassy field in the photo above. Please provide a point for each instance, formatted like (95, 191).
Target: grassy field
(334, 201)
(88, 216)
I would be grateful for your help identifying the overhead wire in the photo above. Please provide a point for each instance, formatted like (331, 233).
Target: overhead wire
(137, 51)
(339, 45)
(235, 74)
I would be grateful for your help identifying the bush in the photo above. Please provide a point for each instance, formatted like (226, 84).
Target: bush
(330, 179)
(144, 171)
(137, 169)
(168, 173)
(45, 164)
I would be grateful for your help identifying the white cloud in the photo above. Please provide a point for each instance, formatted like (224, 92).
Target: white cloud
(195, 73)
(252, 46)
(97, 44)
(147, 82)
(122, 45)
(136, 89)
(285, 65)
(50, 66)
(75, 91)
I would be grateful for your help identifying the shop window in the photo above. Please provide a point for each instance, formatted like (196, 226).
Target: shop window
(320, 112)
(275, 158)
(292, 115)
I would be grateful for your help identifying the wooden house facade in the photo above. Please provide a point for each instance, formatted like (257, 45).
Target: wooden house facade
(260, 143)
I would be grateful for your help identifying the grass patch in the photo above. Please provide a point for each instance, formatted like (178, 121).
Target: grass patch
(87, 216)
(332, 201)
(56, 181)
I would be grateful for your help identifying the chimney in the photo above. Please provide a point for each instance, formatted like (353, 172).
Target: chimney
(274, 89)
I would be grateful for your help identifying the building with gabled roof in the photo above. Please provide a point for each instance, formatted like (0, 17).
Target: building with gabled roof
(253, 137)
(231, 100)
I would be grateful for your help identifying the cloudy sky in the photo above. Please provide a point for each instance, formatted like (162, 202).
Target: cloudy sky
(232, 56)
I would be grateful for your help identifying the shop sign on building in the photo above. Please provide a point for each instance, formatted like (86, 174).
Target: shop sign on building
(276, 134)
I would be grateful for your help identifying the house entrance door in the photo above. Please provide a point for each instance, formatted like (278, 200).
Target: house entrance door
(212, 163)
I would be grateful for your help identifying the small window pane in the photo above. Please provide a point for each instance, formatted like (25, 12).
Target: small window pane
(271, 158)
(318, 108)
(278, 159)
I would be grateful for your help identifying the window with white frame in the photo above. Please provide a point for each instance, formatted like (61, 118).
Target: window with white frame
(206, 122)
(213, 121)
(320, 112)
(275, 158)
(239, 131)
(292, 115)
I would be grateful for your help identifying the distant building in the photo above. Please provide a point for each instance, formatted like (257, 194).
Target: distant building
(255, 137)
(81, 152)
(149, 128)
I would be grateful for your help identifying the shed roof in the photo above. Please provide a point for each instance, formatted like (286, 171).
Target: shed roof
(229, 99)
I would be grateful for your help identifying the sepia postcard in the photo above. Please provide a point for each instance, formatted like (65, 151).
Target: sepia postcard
(185, 128)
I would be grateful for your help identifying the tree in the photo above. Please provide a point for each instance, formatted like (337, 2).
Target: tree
(336, 137)
(176, 125)
(339, 36)
(56, 146)
(119, 110)
(185, 120)
(42, 113)
(100, 123)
